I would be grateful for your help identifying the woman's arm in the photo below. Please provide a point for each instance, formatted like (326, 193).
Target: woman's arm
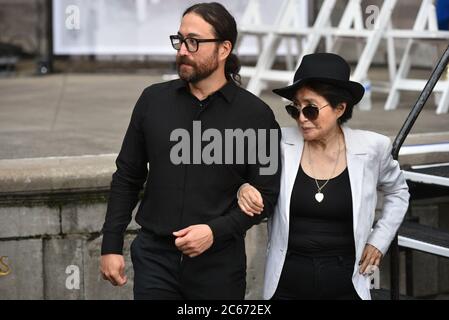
(396, 199)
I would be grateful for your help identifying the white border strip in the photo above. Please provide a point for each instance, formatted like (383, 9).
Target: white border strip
(423, 246)
(426, 178)
(428, 134)
(424, 148)
(426, 166)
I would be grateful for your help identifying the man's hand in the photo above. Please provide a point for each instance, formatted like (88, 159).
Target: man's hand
(194, 240)
(112, 268)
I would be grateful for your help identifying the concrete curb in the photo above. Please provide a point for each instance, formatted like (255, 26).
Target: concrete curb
(56, 173)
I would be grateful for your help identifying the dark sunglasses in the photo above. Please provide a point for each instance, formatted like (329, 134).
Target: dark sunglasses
(310, 111)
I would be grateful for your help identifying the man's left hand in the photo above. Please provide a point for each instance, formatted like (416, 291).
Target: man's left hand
(194, 240)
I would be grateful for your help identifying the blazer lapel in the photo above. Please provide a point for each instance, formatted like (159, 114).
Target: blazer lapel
(355, 156)
(293, 146)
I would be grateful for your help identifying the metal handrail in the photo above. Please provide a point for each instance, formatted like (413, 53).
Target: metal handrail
(397, 144)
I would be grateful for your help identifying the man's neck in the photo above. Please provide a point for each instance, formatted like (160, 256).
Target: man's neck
(204, 88)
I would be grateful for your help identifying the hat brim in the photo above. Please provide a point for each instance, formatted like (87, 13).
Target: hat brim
(356, 89)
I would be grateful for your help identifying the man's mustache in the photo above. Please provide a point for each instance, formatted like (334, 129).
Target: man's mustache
(184, 60)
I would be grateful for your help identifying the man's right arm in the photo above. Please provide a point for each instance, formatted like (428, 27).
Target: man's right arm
(127, 182)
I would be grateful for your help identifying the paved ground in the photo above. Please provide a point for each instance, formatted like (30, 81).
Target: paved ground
(78, 114)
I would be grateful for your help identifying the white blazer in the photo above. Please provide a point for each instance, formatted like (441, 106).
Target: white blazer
(371, 167)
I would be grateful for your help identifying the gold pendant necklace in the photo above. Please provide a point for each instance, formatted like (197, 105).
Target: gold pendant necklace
(319, 196)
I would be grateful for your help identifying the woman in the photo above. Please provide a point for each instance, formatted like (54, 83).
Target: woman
(321, 242)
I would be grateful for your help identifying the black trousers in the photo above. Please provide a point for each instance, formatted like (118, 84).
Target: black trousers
(162, 272)
(316, 278)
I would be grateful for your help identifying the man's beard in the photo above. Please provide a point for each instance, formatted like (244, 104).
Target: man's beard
(196, 72)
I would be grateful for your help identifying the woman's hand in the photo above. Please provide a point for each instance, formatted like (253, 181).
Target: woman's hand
(371, 257)
(250, 200)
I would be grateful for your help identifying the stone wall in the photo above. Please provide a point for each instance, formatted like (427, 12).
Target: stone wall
(51, 214)
(21, 24)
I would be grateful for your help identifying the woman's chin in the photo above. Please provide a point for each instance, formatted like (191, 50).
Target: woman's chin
(308, 134)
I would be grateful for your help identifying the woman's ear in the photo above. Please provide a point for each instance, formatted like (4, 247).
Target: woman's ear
(341, 109)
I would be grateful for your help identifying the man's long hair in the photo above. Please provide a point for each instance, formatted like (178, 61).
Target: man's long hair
(225, 28)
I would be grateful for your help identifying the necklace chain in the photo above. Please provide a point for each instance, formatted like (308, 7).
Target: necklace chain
(333, 171)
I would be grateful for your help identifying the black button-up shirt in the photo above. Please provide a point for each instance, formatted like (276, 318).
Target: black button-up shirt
(184, 194)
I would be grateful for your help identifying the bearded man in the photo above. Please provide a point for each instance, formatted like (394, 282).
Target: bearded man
(191, 242)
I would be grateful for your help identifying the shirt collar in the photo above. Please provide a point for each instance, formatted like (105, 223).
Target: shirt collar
(228, 91)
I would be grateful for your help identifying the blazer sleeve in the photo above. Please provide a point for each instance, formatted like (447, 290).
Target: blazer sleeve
(392, 184)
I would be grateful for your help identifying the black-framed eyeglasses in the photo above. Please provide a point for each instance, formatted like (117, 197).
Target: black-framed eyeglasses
(192, 44)
(309, 111)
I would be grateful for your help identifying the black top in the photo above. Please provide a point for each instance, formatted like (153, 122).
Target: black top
(326, 228)
(179, 195)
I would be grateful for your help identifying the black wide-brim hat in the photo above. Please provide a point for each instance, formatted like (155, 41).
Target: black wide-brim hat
(323, 67)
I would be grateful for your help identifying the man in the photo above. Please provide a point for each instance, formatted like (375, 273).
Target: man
(191, 245)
